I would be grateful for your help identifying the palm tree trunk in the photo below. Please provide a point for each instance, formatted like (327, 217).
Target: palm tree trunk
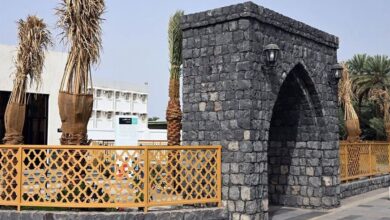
(174, 114)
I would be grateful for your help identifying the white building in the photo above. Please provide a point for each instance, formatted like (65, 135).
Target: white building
(42, 118)
(113, 99)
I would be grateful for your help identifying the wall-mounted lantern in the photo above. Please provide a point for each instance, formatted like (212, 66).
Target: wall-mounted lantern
(337, 71)
(271, 52)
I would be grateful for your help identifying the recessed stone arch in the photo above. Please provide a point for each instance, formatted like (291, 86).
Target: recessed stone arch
(294, 136)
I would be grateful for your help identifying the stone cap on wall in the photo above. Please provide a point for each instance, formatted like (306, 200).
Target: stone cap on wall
(263, 15)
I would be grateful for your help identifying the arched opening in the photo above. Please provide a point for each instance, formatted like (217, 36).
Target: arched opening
(294, 141)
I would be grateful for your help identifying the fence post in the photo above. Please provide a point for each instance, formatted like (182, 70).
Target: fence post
(346, 161)
(219, 174)
(370, 156)
(388, 158)
(146, 179)
(19, 175)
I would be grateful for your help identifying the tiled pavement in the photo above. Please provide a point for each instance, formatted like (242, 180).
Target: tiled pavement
(374, 205)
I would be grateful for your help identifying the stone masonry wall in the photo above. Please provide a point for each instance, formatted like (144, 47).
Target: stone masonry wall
(229, 96)
(362, 186)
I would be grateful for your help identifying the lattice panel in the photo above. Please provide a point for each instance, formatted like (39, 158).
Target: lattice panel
(104, 177)
(75, 177)
(358, 159)
(380, 158)
(185, 175)
(9, 175)
(364, 159)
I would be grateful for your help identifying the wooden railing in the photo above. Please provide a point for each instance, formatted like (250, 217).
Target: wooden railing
(140, 142)
(152, 142)
(109, 177)
(364, 159)
(102, 142)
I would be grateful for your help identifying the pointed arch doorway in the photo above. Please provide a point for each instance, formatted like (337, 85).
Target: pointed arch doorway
(294, 154)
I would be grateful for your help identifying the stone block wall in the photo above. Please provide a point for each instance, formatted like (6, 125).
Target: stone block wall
(362, 186)
(229, 96)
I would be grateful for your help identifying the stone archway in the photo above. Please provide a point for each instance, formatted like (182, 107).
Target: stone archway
(295, 132)
(231, 97)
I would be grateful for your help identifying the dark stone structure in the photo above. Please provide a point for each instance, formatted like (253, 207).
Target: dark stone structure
(183, 214)
(362, 186)
(277, 125)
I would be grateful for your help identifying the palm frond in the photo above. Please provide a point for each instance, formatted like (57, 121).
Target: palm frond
(34, 39)
(175, 37)
(358, 64)
(81, 23)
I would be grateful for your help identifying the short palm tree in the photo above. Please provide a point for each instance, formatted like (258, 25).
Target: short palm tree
(174, 113)
(34, 39)
(81, 23)
(369, 73)
(345, 98)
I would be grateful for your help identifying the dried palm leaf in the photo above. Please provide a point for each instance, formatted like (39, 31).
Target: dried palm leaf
(34, 39)
(345, 98)
(346, 95)
(81, 23)
(382, 98)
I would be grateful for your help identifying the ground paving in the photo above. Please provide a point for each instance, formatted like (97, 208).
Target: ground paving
(374, 205)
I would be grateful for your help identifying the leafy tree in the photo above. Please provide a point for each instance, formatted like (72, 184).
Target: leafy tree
(369, 73)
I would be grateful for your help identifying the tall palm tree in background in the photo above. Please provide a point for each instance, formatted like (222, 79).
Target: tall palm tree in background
(174, 113)
(345, 98)
(369, 73)
(34, 38)
(81, 23)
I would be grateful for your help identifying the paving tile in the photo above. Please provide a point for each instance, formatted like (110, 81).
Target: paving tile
(306, 216)
(350, 217)
(365, 206)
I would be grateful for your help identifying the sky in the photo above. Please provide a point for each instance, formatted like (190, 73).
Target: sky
(135, 48)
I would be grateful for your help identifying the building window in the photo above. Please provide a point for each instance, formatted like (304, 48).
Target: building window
(143, 98)
(117, 113)
(134, 96)
(127, 96)
(109, 94)
(98, 114)
(98, 93)
(117, 95)
(109, 115)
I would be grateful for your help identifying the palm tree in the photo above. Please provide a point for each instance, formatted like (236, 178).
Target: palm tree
(369, 73)
(173, 112)
(81, 23)
(34, 38)
(358, 64)
(382, 98)
(345, 98)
